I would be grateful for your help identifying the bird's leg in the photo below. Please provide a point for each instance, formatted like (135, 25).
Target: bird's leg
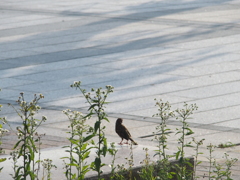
(121, 142)
(126, 142)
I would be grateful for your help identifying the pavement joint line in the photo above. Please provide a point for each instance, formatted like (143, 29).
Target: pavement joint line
(140, 118)
(192, 100)
(211, 126)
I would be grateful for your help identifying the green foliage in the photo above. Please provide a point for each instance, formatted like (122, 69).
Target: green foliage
(183, 115)
(226, 145)
(196, 161)
(220, 170)
(164, 113)
(210, 159)
(130, 163)
(81, 141)
(79, 148)
(120, 172)
(113, 151)
(26, 148)
(147, 171)
(2, 133)
(229, 162)
(125, 171)
(47, 166)
(161, 134)
(14, 157)
(97, 99)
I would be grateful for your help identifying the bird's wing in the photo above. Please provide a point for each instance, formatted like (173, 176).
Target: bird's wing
(126, 130)
(124, 133)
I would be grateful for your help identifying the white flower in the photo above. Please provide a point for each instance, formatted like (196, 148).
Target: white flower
(19, 135)
(44, 118)
(41, 96)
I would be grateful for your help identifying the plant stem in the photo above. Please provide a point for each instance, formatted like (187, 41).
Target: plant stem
(24, 146)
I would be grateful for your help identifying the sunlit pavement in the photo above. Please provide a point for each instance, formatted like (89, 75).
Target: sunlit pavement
(178, 51)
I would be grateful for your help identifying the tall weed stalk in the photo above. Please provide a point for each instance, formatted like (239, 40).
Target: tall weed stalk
(97, 100)
(2, 133)
(197, 153)
(148, 169)
(47, 166)
(26, 147)
(161, 134)
(223, 170)
(183, 115)
(79, 148)
(113, 152)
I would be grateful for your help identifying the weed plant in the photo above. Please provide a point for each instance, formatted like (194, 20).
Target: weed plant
(125, 171)
(26, 148)
(161, 135)
(113, 151)
(148, 169)
(210, 148)
(226, 145)
(2, 133)
(79, 148)
(97, 101)
(81, 138)
(223, 171)
(183, 115)
(47, 166)
(197, 153)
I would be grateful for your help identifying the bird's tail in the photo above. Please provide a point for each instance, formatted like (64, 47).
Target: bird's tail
(134, 143)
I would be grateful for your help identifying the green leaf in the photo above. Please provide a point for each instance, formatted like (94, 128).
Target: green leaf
(181, 159)
(18, 170)
(97, 164)
(92, 142)
(106, 102)
(31, 153)
(188, 145)
(92, 106)
(88, 115)
(86, 155)
(178, 132)
(72, 164)
(156, 154)
(3, 159)
(32, 175)
(106, 119)
(104, 149)
(189, 164)
(16, 145)
(177, 154)
(83, 147)
(64, 158)
(189, 131)
(85, 168)
(73, 141)
(88, 137)
(97, 126)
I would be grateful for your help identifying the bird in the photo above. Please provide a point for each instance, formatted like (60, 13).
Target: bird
(123, 132)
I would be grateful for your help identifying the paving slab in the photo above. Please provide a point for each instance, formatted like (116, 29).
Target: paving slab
(180, 52)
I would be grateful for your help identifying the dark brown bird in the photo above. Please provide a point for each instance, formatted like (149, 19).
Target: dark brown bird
(123, 132)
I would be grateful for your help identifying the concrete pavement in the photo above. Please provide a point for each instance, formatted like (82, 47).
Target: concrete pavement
(179, 51)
